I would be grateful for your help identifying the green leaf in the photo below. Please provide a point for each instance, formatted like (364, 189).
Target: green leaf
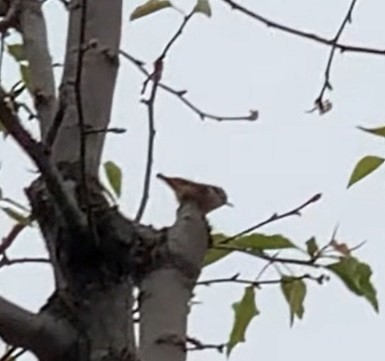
(364, 167)
(376, 131)
(262, 242)
(312, 247)
(149, 7)
(17, 52)
(254, 242)
(356, 277)
(294, 291)
(114, 176)
(203, 7)
(26, 75)
(17, 216)
(244, 312)
(213, 255)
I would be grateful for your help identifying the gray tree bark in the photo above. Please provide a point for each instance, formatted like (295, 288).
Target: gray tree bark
(98, 256)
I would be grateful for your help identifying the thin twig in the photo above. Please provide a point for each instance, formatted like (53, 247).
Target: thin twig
(151, 139)
(155, 77)
(167, 48)
(260, 254)
(8, 354)
(199, 346)
(19, 353)
(319, 102)
(236, 279)
(301, 33)
(181, 95)
(106, 130)
(9, 239)
(321, 251)
(5, 261)
(266, 267)
(275, 217)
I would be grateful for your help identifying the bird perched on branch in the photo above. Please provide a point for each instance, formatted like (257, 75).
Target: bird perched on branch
(206, 196)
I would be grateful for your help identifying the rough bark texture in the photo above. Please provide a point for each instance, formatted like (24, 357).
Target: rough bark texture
(98, 256)
(96, 82)
(42, 83)
(166, 291)
(42, 334)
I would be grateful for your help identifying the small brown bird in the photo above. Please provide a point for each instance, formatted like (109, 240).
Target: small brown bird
(206, 196)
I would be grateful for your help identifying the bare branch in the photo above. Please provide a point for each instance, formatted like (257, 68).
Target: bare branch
(301, 33)
(5, 261)
(275, 217)
(167, 48)
(272, 259)
(198, 345)
(151, 138)
(235, 279)
(40, 334)
(181, 95)
(8, 240)
(155, 77)
(319, 102)
(36, 151)
(8, 353)
(12, 354)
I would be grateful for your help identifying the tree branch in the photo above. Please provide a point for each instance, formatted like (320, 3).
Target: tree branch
(12, 354)
(155, 77)
(36, 151)
(41, 334)
(301, 33)
(35, 42)
(319, 102)
(198, 345)
(275, 217)
(151, 139)
(272, 259)
(99, 46)
(164, 324)
(235, 279)
(5, 261)
(166, 49)
(181, 95)
(13, 233)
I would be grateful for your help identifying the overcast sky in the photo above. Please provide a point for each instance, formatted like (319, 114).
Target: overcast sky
(229, 65)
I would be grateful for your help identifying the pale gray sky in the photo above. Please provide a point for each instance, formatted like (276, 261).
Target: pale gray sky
(229, 65)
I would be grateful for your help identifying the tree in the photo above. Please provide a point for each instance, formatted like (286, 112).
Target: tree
(100, 257)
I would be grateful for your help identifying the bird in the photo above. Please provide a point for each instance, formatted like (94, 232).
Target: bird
(207, 197)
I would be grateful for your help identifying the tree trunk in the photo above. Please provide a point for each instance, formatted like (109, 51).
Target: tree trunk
(98, 256)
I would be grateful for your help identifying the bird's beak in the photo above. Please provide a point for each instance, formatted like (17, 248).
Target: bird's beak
(229, 204)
